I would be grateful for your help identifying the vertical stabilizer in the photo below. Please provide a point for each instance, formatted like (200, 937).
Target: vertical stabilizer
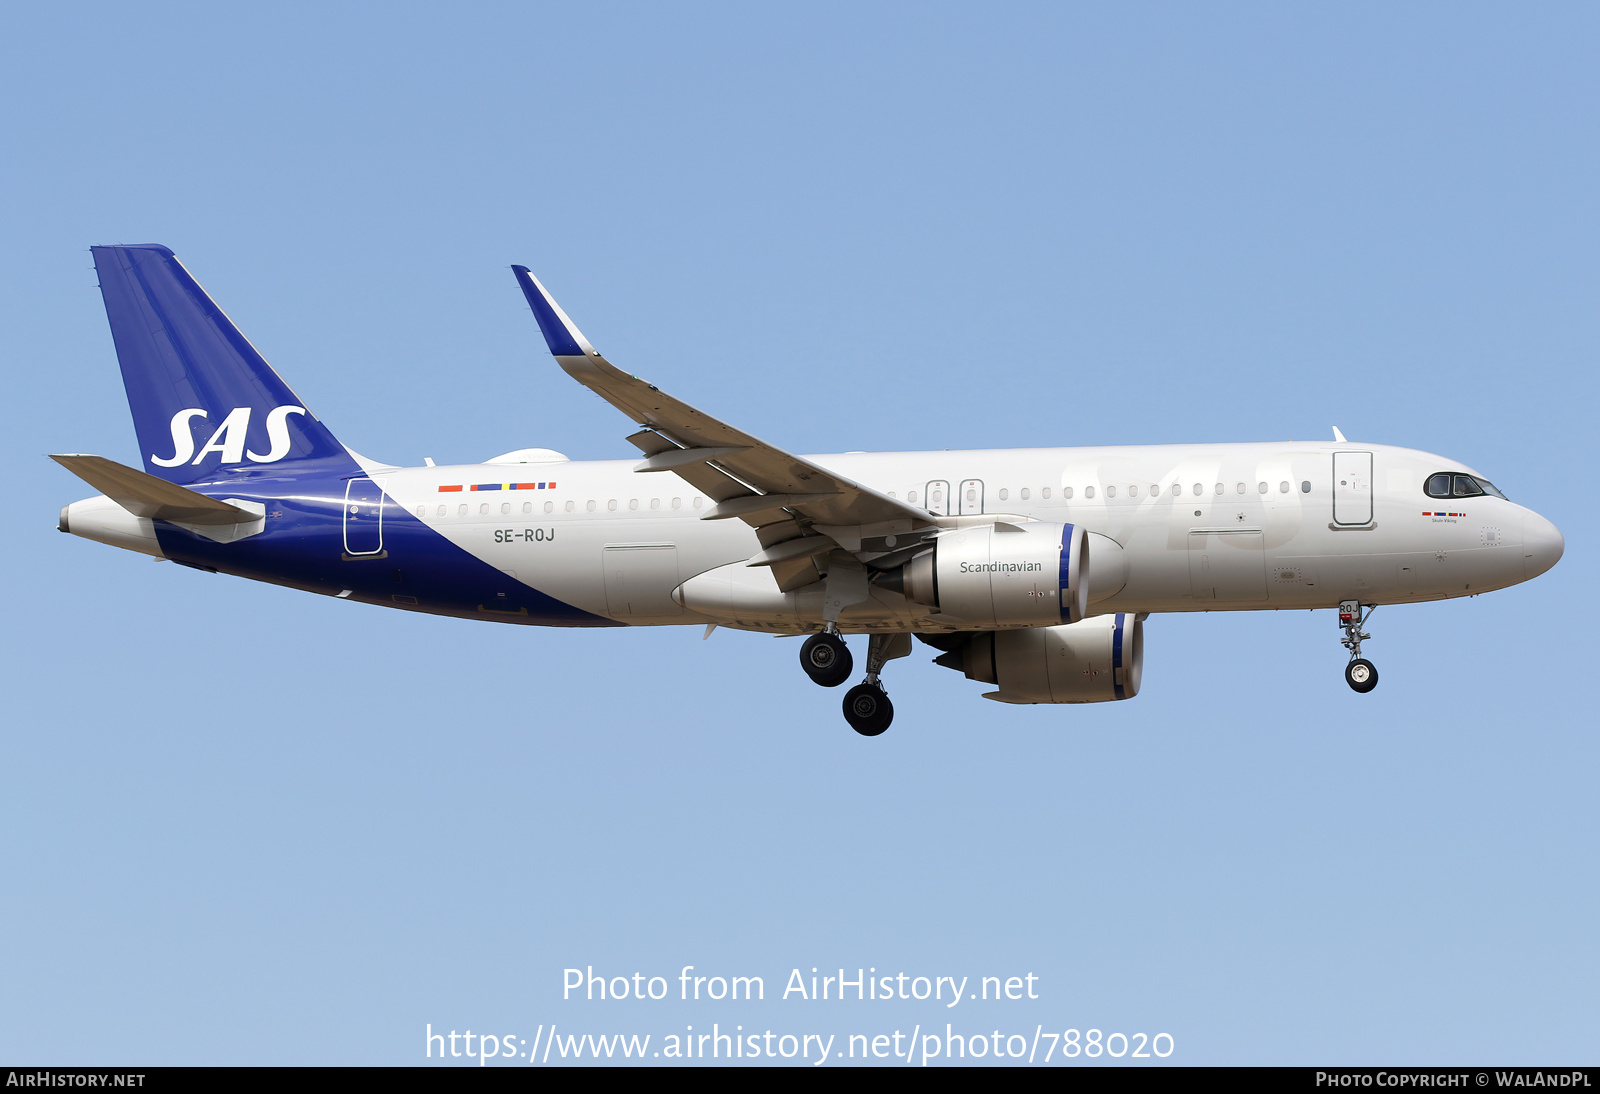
(203, 400)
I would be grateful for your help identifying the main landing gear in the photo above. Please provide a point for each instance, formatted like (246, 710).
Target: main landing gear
(867, 709)
(1359, 673)
(827, 661)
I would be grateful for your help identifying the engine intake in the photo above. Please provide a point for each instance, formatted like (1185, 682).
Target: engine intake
(1001, 575)
(1096, 661)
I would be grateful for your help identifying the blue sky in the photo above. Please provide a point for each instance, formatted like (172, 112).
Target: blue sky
(243, 824)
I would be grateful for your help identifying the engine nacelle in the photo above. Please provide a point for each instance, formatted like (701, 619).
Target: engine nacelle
(1096, 661)
(1001, 575)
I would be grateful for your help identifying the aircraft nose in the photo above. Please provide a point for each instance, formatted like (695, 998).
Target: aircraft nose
(1542, 545)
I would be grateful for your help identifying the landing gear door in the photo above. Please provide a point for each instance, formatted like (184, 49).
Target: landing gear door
(938, 498)
(363, 518)
(1352, 488)
(971, 497)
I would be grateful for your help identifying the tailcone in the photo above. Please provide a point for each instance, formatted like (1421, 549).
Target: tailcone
(104, 521)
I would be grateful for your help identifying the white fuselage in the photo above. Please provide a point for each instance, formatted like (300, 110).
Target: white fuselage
(1216, 527)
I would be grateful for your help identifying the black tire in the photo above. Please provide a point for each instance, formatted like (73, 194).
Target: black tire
(826, 660)
(868, 709)
(1361, 675)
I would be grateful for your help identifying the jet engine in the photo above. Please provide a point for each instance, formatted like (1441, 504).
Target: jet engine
(1095, 661)
(1031, 574)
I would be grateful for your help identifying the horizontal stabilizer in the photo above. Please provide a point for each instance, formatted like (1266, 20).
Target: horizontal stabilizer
(144, 495)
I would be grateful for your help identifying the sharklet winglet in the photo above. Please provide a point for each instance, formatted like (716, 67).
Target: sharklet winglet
(560, 333)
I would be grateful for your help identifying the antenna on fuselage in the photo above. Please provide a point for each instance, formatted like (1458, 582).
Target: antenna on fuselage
(1339, 437)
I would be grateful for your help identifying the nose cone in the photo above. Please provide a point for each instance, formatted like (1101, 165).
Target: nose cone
(1542, 545)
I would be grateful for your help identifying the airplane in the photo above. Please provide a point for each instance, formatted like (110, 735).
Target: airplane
(1029, 570)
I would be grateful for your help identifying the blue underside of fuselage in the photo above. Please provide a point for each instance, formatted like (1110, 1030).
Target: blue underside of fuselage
(417, 569)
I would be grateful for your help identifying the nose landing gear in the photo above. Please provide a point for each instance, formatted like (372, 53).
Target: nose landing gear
(1359, 673)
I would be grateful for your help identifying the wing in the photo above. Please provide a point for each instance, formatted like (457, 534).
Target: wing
(800, 509)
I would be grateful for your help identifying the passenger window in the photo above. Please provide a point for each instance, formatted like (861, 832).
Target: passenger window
(1111, 491)
(591, 505)
(461, 511)
(1045, 493)
(1025, 494)
(527, 507)
(1283, 487)
(1305, 486)
(698, 502)
(1133, 491)
(892, 494)
(677, 503)
(505, 508)
(571, 506)
(1466, 487)
(1261, 488)
(1221, 489)
(655, 503)
(1198, 490)
(911, 496)
(1088, 491)
(1239, 489)
(1066, 491)
(549, 507)
(1004, 494)
(441, 510)
(1155, 490)
(633, 503)
(1177, 489)
(611, 505)
(483, 510)
(422, 510)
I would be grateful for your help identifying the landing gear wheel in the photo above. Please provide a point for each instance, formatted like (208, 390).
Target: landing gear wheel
(1360, 675)
(868, 709)
(826, 660)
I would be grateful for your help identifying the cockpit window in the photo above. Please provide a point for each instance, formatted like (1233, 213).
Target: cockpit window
(1447, 485)
(1488, 488)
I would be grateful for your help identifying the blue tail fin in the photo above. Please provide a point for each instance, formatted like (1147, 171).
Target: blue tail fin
(203, 399)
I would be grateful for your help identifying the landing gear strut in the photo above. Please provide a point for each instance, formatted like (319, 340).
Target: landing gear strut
(1359, 673)
(826, 659)
(866, 706)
